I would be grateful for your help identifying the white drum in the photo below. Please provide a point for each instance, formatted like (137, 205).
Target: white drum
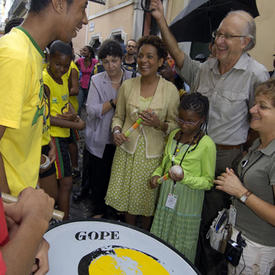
(109, 248)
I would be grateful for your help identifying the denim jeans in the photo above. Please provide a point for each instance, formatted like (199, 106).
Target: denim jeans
(82, 98)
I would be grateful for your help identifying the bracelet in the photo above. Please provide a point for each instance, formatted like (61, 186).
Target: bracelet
(116, 131)
(112, 104)
(46, 163)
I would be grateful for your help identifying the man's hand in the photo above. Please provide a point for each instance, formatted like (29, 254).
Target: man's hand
(52, 152)
(32, 204)
(157, 9)
(41, 265)
(28, 219)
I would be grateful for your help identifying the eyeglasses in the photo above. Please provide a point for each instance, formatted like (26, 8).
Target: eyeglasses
(191, 123)
(225, 36)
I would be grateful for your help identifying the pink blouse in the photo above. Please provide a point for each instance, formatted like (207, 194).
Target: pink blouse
(85, 72)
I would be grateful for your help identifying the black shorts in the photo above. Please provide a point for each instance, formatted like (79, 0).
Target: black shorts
(51, 170)
(63, 160)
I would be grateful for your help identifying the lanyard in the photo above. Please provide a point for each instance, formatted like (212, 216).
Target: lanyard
(186, 151)
(189, 145)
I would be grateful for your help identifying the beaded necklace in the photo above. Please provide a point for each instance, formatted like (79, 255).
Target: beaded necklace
(177, 148)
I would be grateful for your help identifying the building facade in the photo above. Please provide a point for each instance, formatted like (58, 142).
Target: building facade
(125, 19)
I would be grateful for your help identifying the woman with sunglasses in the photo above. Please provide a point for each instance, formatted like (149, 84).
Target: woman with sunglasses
(178, 214)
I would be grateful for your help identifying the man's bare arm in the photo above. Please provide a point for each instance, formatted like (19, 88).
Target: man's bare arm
(167, 36)
(3, 179)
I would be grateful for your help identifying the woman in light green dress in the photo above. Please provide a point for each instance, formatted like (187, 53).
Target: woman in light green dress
(178, 214)
(155, 101)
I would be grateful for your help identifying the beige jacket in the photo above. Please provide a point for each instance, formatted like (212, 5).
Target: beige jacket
(165, 104)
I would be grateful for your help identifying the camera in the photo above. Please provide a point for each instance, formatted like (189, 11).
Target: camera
(234, 250)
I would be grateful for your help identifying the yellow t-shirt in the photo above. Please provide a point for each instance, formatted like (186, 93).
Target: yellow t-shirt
(21, 108)
(59, 99)
(73, 99)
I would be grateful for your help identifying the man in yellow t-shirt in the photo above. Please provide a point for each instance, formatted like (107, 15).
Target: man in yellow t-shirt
(21, 108)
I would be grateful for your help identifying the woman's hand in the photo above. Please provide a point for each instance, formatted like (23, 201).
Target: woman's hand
(228, 182)
(150, 119)
(154, 182)
(119, 138)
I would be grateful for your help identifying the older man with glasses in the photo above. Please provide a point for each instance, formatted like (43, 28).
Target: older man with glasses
(228, 80)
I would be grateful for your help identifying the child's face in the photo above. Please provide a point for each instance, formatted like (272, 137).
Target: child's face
(85, 52)
(189, 121)
(59, 64)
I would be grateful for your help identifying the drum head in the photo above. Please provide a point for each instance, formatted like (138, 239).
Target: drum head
(104, 247)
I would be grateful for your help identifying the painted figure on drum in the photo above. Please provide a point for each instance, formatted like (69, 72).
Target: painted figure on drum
(189, 166)
(112, 260)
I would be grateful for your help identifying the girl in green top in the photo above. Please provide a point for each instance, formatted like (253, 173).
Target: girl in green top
(178, 214)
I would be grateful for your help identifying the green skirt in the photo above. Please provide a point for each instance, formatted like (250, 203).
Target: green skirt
(179, 226)
(128, 189)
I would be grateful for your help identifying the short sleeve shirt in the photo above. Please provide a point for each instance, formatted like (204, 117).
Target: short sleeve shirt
(230, 95)
(257, 172)
(21, 108)
(59, 99)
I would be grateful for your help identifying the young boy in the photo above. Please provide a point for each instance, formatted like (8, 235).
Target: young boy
(62, 117)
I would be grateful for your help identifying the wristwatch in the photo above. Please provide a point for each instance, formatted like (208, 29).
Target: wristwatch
(245, 196)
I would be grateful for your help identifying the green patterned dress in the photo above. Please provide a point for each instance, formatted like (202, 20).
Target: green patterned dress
(180, 226)
(128, 189)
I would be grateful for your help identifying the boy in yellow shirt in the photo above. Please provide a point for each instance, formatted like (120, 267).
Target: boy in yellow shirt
(62, 117)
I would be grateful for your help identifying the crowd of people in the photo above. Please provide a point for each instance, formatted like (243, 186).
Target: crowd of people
(169, 141)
